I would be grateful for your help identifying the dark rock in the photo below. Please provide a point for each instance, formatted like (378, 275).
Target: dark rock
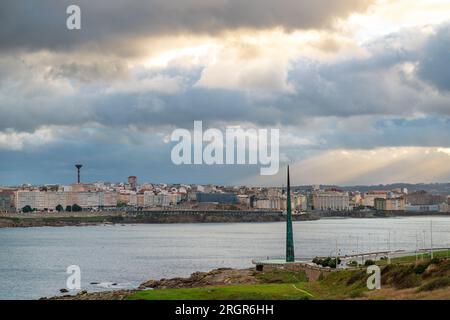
(63, 290)
(223, 276)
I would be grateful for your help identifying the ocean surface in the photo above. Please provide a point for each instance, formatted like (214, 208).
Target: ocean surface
(33, 261)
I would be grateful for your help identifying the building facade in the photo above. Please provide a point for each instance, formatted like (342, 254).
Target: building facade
(49, 200)
(330, 201)
(217, 197)
(368, 199)
(6, 201)
(422, 208)
(392, 204)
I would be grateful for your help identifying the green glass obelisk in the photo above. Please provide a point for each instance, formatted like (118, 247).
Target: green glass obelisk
(290, 257)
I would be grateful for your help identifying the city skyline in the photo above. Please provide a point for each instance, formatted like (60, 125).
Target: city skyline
(360, 90)
(142, 181)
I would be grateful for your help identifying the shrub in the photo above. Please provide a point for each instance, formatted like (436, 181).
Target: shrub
(327, 262)
(420, 268)
(76, 208)
(435, 284)
(355, 277)
(407, 281)
(353, 263)
(369, 263)
(435, 261)
(356, 294)
(332, 264)
(27, 209)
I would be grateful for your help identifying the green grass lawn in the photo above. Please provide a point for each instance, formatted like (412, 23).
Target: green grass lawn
(284, 291)
(279, 285)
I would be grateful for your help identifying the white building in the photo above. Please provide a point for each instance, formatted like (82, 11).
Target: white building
(156, 200)
(41, 200)
(35, 199)
(53, 199)
(369, 198)
(331, 200)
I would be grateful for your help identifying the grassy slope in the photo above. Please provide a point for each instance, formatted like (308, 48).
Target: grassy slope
(399, 282)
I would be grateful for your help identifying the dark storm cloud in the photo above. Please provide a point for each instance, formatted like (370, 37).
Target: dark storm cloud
(434, 66)
(41, 24)
(88, 72)
(380, 84)
(374, 86)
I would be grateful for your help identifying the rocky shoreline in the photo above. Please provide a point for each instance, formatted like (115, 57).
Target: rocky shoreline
(216, 277)
(100, 218)
(61, 221)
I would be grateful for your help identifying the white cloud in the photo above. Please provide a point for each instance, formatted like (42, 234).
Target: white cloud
(16, 141)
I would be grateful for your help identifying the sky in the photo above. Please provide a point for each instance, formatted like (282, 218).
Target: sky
(359, 89)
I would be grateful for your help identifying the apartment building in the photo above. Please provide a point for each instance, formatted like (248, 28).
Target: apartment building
(41, 200)
(156, 200)
(274, 203)
(368, 199)
(391, 204)
(34, 198)
(6, 200)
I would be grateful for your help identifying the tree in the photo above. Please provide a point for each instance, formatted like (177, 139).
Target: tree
(121, 204)
(59, 208)
(27, 209)
(369, 263)
(76, 208)
(68, 208)
(326, 262)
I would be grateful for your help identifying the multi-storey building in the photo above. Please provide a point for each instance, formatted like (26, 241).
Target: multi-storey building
(53, 199)
(217, 197)
(132, 181)
(127, 197)
(391, 204)
(49, 200)
(330, 200)
(6, 200)
(35, 199)
(157, 200)
(369, 198)
(424, 198)
(262, 204)
(299, 202)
